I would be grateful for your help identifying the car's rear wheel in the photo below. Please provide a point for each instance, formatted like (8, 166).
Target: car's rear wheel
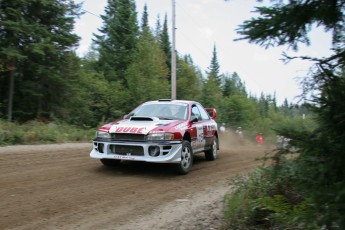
(186, 159)
(110, 162)
(211, 154)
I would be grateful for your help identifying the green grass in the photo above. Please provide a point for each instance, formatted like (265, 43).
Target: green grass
(35, 132)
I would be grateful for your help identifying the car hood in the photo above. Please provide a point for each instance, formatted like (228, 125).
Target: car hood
(142, 125)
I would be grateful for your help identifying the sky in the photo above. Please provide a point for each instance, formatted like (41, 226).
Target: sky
(203, 24)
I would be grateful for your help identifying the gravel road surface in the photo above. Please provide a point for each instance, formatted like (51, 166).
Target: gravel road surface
(59, 186)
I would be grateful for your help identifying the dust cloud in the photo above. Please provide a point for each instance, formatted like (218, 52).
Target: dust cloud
(230, 140)
(231, 143)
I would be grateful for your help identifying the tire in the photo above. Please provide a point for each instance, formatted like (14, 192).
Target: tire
(110, 162)
(186, 159)
(211, 154)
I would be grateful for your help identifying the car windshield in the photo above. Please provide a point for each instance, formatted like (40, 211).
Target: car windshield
(162, 111)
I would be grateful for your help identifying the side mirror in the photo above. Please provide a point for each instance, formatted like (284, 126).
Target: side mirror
(194, 119)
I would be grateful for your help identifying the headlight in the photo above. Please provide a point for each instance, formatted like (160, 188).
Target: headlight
(102, 134)
(160, 136)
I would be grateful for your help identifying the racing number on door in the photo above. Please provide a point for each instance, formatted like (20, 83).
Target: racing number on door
(200, 133)
(200, 128)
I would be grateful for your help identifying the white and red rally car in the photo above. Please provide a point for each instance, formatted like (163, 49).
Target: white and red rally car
(163, 131)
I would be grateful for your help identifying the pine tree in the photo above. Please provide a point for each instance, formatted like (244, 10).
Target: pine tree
(145, 19)
(237, 110)
(214, 68)
(211, 92)
(158, 28)
(233, 85)
(147, 74)
(189, 79)
(263, 105)
(117, 42)
(36, 38)
(322, 156)
(165, 44)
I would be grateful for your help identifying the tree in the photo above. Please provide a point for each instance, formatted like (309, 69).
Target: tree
(214, 68)
(289, 23)
(322, 151)
(233, 85)
(263, 105)
(145, 18)
(147, 74)
(36, 38)
(158, 27)
(238, 110)
(118, 39)
(189, 79)
(165, 44)
(211, 95)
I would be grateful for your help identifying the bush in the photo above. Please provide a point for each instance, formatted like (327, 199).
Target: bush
(35, 132)
(263, 202)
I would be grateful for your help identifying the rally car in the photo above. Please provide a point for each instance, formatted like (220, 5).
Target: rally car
(161, 131)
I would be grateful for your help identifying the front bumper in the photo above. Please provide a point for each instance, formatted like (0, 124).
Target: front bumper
(169, 151)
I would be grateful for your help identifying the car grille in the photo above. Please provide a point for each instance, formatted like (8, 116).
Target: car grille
(127, 137)
(127, 150)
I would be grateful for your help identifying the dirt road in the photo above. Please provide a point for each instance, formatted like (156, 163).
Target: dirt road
(59, 187)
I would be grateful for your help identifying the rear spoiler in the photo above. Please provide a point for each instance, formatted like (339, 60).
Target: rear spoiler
(212, 112)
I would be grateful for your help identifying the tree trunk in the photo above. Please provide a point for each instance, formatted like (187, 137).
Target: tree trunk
(10, 97)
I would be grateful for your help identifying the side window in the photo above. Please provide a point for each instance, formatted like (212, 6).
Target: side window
(196, 113)
(203, 113)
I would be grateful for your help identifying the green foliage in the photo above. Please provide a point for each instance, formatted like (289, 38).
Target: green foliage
(35, 39)
(259, 202)
(145, 19)
(214, 68)
(211, 91)
(118, 39)
(188, 83)
(124, 67)
(211, 94)
(163, 38)
(233, 85)
(91, 99)
(319, 168)
(35, 132)
(296, 18)
(147, 74)
(322, 155)
(238, 110)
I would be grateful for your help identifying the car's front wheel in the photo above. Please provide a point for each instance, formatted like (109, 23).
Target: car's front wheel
(186, 159)
(211, 154)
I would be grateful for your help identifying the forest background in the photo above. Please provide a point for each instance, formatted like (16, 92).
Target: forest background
(43, 83)
(43, 80)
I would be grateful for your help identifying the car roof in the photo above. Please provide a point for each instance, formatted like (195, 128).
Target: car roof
(172, 101)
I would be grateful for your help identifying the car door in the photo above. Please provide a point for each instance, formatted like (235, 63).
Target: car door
(208, 126)
(198, 141)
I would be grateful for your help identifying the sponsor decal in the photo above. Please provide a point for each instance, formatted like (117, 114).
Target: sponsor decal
(129, 130)
(182, 126)
(128, 157)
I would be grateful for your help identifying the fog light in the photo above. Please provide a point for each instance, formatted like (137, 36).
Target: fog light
(100, 147)
(154, 151)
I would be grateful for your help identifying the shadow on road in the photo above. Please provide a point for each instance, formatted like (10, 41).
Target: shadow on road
(148, 169)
